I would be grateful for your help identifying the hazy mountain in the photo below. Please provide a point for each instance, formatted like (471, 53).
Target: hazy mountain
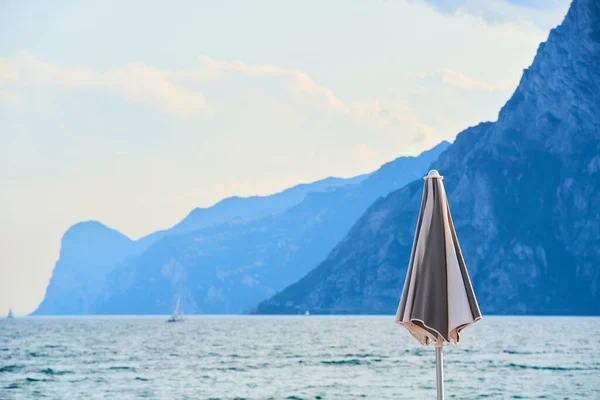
(72, 288)
(256, 206)
(230, 267)
(90, 250)
(524, 193)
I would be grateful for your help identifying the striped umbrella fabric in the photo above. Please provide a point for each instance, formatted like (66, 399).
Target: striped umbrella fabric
(437, 301)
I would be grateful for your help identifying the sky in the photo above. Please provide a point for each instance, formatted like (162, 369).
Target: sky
(135, 112)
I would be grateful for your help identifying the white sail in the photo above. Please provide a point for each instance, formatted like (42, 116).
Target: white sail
(176, 309)
(176, 315)
(10, 313)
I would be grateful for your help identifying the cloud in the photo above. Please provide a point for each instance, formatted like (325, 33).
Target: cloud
(304, 88)
(541, 13)
(135, 82)
(182, 93)
(168, 91)
(298, 82)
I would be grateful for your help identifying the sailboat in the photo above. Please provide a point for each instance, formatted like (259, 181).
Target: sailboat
(176, 317)
(10, 314)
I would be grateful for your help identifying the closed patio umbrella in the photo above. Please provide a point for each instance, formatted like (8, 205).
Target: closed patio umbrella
(437, 300)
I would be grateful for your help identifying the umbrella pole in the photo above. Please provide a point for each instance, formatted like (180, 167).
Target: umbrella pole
(439, 368)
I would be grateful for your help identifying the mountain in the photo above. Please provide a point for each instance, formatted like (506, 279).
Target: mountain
(256, 206)
(524, 193)
(90, 251)
(71, 289)
(231, 267)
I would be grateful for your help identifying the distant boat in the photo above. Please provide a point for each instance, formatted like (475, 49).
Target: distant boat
(307, 313)
(176, 317)
(10, 314)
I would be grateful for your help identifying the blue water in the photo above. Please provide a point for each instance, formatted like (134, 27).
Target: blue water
(293, 358)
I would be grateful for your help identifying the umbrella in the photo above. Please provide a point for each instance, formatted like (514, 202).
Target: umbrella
(437, 301)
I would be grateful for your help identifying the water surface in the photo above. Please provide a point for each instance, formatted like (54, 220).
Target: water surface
(314, 357)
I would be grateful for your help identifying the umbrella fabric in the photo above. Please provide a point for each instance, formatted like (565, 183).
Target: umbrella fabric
(437, 300)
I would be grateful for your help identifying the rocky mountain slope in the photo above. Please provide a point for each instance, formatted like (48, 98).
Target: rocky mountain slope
(524, 193)
(231, 267)
(90, 250)
(212, 247)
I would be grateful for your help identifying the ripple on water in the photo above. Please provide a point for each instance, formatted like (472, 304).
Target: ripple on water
(549, 368)
(231, 369)
(50, 371)
(120, 368)
(517, 352)
(364, 355)
(353, 361)
(11, 368)
(329, 357)
(35, 354)
(13, 386)
(29, 379)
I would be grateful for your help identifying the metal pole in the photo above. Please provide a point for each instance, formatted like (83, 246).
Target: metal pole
(439, 369)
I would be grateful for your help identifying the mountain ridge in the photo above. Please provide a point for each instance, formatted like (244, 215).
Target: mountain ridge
(257, 206)
(523, 191)
(229, 214)
(90, 250)
(230, 268)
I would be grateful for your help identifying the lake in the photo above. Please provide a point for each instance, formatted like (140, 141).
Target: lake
(285, 357)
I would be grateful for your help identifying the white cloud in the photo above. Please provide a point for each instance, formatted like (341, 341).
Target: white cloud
(181, 92)
(135, 82)
(298, 82)
(305, 89)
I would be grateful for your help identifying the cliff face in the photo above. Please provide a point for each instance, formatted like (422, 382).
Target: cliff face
(79, 274)
(524, 193)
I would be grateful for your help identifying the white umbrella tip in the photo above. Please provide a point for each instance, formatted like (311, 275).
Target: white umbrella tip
(433, 174)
